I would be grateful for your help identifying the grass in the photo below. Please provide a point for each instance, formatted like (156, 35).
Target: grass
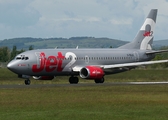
(7, 77)
(98, 102)
(137, 102)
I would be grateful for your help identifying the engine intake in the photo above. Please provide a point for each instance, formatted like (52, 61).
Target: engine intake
(91, 72)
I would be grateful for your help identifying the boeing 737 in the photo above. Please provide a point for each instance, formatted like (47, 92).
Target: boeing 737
(93, 64)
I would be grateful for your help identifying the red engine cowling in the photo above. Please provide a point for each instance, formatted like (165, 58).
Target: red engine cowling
(43, 77)
(91, 72)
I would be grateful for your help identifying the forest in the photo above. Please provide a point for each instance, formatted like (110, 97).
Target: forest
(7, 55)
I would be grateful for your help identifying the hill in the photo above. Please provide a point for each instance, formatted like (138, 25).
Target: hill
(160, 43)
(82, 42)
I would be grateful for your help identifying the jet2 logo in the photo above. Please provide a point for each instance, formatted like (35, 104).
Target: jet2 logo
(148, 33)
(52, 63)
(49, 64)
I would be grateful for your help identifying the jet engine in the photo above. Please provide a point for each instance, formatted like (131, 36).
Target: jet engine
(91, 72)
(43, 77)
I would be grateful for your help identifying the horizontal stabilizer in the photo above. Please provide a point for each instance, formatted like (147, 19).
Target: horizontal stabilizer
(155, 52)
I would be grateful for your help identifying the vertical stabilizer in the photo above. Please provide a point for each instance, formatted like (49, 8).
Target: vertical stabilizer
(144, 38)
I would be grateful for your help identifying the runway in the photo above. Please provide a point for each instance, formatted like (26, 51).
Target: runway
(82, 84)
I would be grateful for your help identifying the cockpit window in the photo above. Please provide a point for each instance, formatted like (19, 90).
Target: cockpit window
(18, 58)
(26, 58)
(22, 57)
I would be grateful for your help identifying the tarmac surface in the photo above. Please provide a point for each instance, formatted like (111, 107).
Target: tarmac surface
(82, 84)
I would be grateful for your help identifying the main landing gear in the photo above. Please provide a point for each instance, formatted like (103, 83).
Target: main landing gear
(99, 80)
(73, 80)
(27, 82)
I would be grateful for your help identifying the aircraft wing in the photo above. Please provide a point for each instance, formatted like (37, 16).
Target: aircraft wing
(77, 68)
(133, 64)
(124, 65)
(153, 52)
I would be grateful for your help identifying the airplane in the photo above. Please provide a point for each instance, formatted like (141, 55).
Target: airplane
(89, 64)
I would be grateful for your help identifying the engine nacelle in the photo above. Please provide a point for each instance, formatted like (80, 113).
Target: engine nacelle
(43, 77)
(91, 72)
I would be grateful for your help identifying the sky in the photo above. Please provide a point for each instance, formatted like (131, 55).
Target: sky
(115, 19)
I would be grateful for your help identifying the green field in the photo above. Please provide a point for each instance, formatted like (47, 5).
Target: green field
(121, 102)
(140, 75)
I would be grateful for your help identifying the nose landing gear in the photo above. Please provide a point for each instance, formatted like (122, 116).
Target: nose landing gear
(27, 82)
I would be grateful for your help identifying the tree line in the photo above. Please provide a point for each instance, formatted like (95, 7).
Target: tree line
(7, 55)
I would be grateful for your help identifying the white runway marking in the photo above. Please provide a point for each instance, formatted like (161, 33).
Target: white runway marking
(138, 83)
(83, 84)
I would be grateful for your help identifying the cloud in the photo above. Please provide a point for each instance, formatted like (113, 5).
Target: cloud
(119, 19)
(18, 13)
(85, 16)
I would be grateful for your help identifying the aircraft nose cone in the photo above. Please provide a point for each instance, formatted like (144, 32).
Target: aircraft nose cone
(10, 66)
(17, 67)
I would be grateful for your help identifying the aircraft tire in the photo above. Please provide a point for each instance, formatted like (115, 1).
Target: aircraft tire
(27, 82)
(73, 80)
(99, 80)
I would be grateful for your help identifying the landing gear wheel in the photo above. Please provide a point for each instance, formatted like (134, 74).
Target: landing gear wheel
(27, 82)
(73, 80)
(99, 80)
